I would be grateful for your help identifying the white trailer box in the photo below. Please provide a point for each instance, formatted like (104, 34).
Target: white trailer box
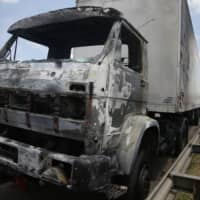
(174, 67)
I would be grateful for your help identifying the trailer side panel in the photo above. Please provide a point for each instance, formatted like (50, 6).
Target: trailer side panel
(172, 50)
(189, 64)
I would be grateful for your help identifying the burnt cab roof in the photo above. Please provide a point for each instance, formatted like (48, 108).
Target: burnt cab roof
(54, 27)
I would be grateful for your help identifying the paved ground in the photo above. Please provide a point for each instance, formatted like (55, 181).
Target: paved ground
(35, 192)
(11, 192)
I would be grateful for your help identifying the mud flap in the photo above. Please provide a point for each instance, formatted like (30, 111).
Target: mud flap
(91, 173)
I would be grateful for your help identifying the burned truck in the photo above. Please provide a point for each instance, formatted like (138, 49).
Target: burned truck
(62, 118)
(81, 118)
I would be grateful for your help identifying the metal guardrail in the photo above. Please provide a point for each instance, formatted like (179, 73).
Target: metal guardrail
(175, 178)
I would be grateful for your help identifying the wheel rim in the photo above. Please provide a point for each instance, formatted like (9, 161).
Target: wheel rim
(144, 181)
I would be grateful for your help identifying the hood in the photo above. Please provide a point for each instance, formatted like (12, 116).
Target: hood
(53, 77)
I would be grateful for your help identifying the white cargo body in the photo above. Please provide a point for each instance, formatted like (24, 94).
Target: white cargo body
(173, 58)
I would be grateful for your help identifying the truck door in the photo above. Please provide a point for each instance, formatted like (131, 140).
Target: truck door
(129, 87)
(134, 66)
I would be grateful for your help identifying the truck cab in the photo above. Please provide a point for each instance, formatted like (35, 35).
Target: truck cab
(79, 117)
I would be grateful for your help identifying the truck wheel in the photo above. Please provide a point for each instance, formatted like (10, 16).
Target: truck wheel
(139, 180)
(181, 137)
(196, 121)
(194, 118)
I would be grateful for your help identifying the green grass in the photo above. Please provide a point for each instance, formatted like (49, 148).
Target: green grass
(183, 196)
(194, 169)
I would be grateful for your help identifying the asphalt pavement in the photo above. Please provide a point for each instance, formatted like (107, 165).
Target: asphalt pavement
(10, 191)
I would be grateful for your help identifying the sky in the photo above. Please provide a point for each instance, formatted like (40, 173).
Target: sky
(13, 10)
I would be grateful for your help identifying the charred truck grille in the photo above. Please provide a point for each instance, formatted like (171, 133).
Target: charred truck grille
(67, 106)
(43, 136)
(9, 152)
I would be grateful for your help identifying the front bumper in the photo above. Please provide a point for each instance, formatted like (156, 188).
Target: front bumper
(49, 125)
(84, 173)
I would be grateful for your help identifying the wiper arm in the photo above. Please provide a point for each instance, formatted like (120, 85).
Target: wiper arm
(7, 46)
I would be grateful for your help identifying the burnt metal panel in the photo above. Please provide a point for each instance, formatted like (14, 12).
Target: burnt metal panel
(45, 124)
(61, 16)
(76, 173)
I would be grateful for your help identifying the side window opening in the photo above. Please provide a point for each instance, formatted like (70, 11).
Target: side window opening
(131, 50)
(125, 55)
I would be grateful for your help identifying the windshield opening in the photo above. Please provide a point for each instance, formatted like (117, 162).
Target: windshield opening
(80, 40)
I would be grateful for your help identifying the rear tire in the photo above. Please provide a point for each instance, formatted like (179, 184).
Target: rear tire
(181, 137)
(139, 180)
(196, 121)
(194, 118)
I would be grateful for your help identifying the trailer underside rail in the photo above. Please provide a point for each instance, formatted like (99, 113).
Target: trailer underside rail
(176, 178)
(187, 183)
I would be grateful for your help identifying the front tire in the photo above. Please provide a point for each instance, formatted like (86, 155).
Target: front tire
(139, 180)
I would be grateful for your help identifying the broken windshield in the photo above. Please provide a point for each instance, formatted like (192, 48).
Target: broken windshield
(79, 40)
